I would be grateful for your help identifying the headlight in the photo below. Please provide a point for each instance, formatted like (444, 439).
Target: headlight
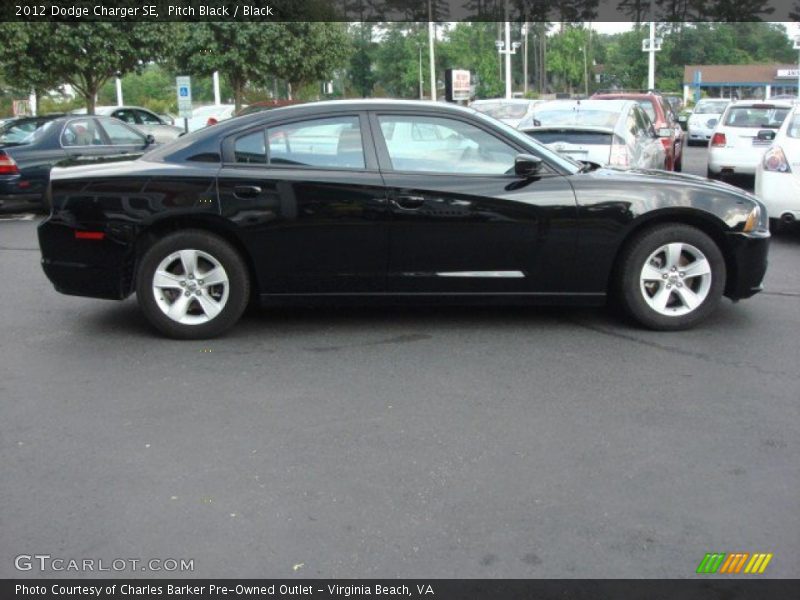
(752, 219)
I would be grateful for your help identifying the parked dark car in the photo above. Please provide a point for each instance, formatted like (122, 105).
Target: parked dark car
(26, 159)
(398, 200)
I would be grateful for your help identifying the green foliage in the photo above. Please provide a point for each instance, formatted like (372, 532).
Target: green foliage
(255, 53)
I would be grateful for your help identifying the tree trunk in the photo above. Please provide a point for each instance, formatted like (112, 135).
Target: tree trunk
(288, 91)
(238, 87)
(91, 99)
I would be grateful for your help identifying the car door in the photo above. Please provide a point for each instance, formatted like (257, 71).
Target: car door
(309, 202)
(152, 124)
(461, 221)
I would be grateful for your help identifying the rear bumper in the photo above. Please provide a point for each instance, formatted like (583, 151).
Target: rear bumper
(92, 268)
(748, 264)
(734, 161)
(780, 193)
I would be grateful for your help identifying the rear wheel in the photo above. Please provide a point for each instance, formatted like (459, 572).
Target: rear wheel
(671, 277)
(192, 285)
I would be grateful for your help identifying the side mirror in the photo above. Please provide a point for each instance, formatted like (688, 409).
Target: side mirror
(664, 132)
(149, 139)
(766, 135)
(527, 165)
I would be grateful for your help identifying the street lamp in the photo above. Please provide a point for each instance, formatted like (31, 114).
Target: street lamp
(797, 47)
(507, 48)
(651, 45)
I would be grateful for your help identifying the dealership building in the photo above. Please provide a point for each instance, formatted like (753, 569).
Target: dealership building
(739, 81)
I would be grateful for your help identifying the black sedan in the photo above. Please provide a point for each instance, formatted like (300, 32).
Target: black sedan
(393, 200)
(30, 147)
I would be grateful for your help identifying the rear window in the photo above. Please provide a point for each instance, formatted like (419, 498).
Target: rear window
(19, 132)
(576, 116)
(793, 130)
(571, 136)
(706, 107)
(502, 111)
(647, 106)
(758, 116)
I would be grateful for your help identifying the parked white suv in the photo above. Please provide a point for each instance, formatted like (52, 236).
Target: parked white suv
(778, 172)
(741, 136)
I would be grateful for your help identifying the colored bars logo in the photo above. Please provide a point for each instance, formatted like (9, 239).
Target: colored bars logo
(734, 563)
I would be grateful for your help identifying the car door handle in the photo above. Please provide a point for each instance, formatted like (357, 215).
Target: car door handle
(409, 202)
(246, 191)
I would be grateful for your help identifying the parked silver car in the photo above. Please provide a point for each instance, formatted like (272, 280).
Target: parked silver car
(511, 111)
(600, 132)
(141, 118)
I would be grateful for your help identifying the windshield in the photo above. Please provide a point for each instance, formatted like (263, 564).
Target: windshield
(757, 115)
(564, 162)
(576, 116)
(19, 132)
(503, 111)
(710, 107)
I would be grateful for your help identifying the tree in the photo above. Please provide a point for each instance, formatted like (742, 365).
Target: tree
(360, 72)
(253, 53)
(87, 55)
(22, 55)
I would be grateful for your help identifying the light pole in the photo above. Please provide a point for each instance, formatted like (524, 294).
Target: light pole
(431, 36)
(507, 48)
(797, 47)
(651, 45)
(119, 91)
(421, 91)
(525, 58)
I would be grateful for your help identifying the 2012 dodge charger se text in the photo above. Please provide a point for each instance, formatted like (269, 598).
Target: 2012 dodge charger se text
(382, 199)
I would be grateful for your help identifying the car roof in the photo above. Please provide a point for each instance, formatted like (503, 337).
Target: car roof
(607, 105)
(762, 103)
(505, 101)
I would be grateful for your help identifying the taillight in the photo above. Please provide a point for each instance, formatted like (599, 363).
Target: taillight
(718, 140)
(89, 235)
(7, 165)
(620, 157)
(775, 160)
(211, 121)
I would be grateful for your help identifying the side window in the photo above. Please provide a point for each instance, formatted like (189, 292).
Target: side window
(251, 148)
(333, 142)
(126, 115)
(147, 118)
(642, 122)
(448, 146)
(82, 132)
(122, 135)
(631, 125)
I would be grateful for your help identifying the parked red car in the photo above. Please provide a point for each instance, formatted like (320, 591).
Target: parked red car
(660, 113)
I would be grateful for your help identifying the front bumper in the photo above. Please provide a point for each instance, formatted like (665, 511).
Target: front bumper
(747, 265)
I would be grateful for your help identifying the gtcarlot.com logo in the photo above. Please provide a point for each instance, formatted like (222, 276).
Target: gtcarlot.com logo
(734, 563)
(46, 562)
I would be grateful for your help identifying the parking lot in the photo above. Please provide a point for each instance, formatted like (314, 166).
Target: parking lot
(399, 442)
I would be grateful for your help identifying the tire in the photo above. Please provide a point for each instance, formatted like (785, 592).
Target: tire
(696, 282)
(679, 165)
(182, 304)
(714, 176)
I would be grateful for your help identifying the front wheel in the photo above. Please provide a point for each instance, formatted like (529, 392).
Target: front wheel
(192, 285)
(671, 277)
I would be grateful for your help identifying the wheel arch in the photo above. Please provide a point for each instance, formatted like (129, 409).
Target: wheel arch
(210, 223)
(709, 224)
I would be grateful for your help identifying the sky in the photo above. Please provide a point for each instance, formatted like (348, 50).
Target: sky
(616, 27)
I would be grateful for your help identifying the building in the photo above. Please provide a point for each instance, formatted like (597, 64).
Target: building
(739, 81)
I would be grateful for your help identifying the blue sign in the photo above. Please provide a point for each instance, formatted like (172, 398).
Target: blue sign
(184, 92)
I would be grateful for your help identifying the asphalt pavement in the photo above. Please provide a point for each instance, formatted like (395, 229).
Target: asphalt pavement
(402, 442)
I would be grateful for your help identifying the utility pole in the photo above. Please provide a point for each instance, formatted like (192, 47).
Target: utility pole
(431, 36)
(797, 47)
(215, 80)
(525, 58)
(508, 56)
(119, 91)
(421, 89)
